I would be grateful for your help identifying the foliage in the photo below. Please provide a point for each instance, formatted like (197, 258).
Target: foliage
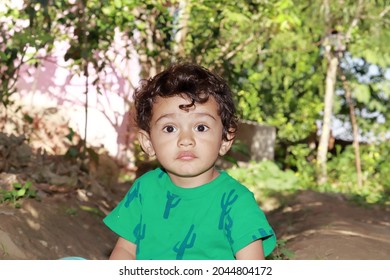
(238, 147)
(284, 89)
(358, 23)
(18, 191)
(93, 210)
(371, 94)
(375, 168)
(265, 179)
(301, 160)
(24, 36)
(271, 52)
(71, 211)
(281, 252)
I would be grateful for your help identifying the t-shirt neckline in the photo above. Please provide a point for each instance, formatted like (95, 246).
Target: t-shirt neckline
(192, 192)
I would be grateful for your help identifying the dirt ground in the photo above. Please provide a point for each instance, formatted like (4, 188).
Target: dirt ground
(320, 226)
(54, 227)
(312, 226)
(73, 197)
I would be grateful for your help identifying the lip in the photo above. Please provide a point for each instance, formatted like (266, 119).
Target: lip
(186, 156)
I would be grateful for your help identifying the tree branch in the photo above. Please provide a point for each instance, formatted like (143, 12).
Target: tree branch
(355, 20)
(384, 12)
(239, 48)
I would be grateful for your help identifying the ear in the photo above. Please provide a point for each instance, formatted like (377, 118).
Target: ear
(225, 146)
(146, 143)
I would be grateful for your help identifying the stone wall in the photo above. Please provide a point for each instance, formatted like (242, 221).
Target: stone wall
(259, 140)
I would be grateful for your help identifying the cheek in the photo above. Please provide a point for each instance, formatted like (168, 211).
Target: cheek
(166, 139)
(210, 144)
(161, 143)
(214, 137)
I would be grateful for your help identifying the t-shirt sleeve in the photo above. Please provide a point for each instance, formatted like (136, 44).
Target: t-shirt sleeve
(250, 224)
(125, 217)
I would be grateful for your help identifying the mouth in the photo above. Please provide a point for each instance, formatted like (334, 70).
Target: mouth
(186, 156)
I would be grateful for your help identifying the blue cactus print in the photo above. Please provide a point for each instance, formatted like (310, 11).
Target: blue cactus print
(226, 206)
(262, 234)
(139, 233)
(172, 201)
(161, 174)
(132, 194)
(228, 229)
(187, 243)
(225, 220)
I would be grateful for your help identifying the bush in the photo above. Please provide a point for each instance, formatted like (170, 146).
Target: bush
(375, 170)
(265, 179)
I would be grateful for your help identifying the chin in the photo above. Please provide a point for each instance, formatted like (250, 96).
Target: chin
(187, 172)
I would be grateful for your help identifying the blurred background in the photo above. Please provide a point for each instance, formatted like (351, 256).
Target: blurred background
(311, 82)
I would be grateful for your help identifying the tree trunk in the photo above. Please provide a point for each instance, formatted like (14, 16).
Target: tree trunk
(322, 153)
(355, 130)
(181, 34)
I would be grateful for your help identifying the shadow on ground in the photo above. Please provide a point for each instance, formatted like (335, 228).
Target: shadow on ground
(314, 226)
(317, 226)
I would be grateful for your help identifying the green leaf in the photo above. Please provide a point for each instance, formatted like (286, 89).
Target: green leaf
(20, 193)
(93, 210)
(362, 93)
(17, 186)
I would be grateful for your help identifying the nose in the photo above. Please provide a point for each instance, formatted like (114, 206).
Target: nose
(186, 138)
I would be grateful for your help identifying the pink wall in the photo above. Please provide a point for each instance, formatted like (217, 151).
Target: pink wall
(53, 85)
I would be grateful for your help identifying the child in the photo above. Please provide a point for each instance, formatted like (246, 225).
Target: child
(188, 209)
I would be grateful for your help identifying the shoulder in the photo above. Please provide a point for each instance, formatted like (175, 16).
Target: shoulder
(148, 180)
(233, 191)
(232, 184)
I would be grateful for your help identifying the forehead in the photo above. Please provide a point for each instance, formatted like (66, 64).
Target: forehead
(171, 105)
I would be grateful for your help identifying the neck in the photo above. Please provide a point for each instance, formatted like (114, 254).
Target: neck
(193, 181)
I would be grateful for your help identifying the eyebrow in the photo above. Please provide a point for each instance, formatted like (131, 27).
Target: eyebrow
(172, 115)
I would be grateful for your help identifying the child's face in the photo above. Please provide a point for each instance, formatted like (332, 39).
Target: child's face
(186, 144)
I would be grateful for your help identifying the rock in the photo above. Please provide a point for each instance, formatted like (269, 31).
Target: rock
(7, 180)
(14, 152)
(104, 170)
(8, 248)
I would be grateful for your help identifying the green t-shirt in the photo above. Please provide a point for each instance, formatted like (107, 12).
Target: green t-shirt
(209, 222)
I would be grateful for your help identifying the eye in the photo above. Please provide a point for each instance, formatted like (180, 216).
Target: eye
(169, 129)
(201, 128)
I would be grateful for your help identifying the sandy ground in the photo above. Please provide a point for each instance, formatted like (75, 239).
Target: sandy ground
(312, 226)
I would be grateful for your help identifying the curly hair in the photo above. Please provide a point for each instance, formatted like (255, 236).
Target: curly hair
(190, 81)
